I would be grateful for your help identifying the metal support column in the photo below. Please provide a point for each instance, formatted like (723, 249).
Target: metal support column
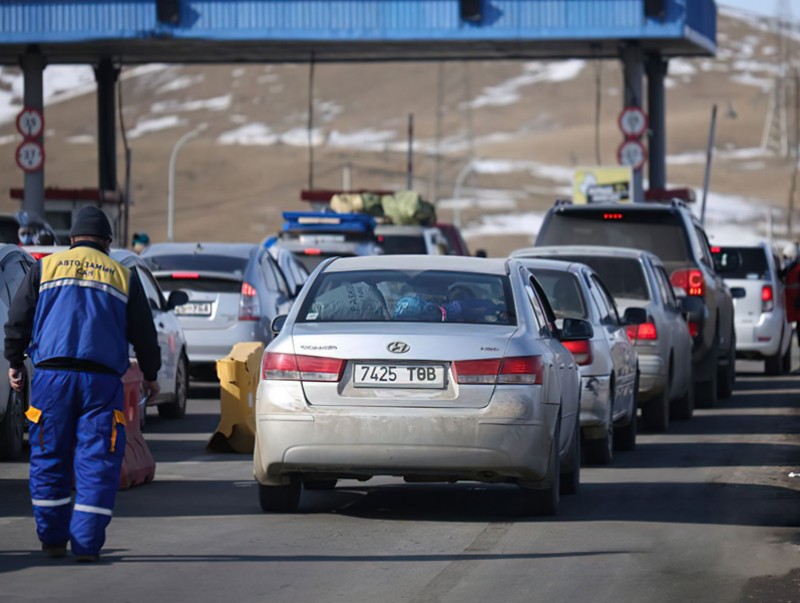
(106, 75)
(33, 64)
(656, 109)
(632, 73)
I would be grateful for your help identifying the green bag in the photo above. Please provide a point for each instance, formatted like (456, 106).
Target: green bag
(407, 207)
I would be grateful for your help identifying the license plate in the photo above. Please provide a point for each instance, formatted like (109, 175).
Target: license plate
(194, 309)
(411, 376)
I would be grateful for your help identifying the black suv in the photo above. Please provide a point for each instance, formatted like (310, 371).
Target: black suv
(672, 232)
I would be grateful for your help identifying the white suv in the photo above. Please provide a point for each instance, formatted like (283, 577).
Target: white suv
(762, 333)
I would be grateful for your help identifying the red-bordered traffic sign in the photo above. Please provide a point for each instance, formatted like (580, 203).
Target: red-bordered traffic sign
(632, 152)
(30, 123)
(30, 156)
(633, 122)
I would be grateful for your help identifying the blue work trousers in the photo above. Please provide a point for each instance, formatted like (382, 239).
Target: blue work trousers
(77, 435)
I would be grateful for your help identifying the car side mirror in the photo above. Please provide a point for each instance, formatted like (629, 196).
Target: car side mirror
(177, 298)
(738, 292)
(635, 316)
(277, 324)
(693, 308)
(575, 329)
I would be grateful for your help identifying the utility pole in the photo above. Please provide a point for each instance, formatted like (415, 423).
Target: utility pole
(776, 126)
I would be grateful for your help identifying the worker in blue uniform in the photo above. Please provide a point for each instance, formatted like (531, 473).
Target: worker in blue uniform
(75, 314)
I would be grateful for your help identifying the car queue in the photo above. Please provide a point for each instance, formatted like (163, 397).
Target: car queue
(433, 366)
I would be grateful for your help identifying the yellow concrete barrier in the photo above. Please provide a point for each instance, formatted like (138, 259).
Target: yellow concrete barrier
(238, 379)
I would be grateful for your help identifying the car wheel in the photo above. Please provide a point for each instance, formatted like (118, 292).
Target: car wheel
(570, 481)
(682, 409)
(599, 451)
(655, 414)
(773, 365)
(177, 408)
(787, 360)
(705, 392)
(727, 373)
(279, 499)
(625, 435)
(545, 502)
(12, 428)
(320, 484)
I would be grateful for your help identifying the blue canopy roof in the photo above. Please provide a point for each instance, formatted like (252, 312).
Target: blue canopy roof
(349, 30)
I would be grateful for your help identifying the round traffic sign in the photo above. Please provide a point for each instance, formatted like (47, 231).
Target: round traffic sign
(30, 123)
(30, 156)
(632, 153)
(633, 122)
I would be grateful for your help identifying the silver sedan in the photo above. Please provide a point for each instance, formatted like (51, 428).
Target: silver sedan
(440, 368)
(608, 362)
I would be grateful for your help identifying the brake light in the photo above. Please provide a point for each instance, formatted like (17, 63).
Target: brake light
(38, 255)
(249, 307)
(694, 328)
(690, 281)
(767, 299)
(644, 332)
(580, 350)
(289, 367)
(612, 216)
(312, 251)
(716, 250)
(182, 275)
(513, 370)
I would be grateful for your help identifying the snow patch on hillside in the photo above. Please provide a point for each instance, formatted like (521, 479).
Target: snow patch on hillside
(218, 103)
(145, 126)
(508, 92)
(252, 134)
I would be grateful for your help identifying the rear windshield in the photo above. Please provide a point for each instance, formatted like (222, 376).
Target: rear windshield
(207, 285)
(623, 277)
(410, 296)
(198, 262)
(741, 262)
(403, 244)
(661, 232)
(563, 292)
(311, 261)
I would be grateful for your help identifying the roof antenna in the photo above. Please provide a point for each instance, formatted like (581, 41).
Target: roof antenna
(311, 122)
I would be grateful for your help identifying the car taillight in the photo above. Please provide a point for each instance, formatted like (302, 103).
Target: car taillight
(312, 251)
(644, 332)
(690, 281)
(38, 255)
(185, 275)
(694, 328)
(516, 370)
(580, 350)
(289, 367)
(767, 299)
(249, 307)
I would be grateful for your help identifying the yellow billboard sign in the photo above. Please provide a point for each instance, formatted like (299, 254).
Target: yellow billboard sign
(602, 184)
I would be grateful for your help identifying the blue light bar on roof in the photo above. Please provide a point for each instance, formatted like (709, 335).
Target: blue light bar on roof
(310, 221)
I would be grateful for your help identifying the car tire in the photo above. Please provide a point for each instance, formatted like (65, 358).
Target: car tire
(625, 435)
(705, 392)
(545, 502)
(177, 408)
(320, 484)
(279, 499)
(655, 413)
(682, 409)
(570, 481)
(787, 360)
(600, 451)
(773, 365)
(727, 374)
(12, 428)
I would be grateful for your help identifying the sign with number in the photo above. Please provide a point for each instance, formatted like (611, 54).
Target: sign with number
(30, 156)
(632, 153)
(632, 122)
(30, 123)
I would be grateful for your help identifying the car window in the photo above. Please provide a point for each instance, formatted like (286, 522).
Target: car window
(200, 262)
(273, 278)
(662, 288)
(600, 301)
(564, 293)
(151, 290)
(608, 299)
(549, 316)
(538, 310)
(663, 279)
(703, 249)
(742, 262)
(403, 244)
(424, 296)
(623, 277)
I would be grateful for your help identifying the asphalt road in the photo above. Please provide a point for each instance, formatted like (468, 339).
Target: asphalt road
(705, 512)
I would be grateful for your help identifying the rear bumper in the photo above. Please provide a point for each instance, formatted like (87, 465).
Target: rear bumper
(652, 376)
(508, 440)
(761, 338)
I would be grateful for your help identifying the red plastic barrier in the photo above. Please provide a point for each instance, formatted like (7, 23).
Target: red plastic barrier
(138, 466)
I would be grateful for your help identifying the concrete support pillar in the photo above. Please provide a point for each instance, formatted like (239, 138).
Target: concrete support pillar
(632, 73)
(106, 75)
(33, 64)
(656, 109)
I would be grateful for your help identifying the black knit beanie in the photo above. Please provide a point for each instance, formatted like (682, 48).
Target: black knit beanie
(93, 222)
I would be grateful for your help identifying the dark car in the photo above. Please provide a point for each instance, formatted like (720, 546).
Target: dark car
(670, 231)
(455, 241)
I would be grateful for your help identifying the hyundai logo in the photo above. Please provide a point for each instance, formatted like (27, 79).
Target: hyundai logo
(398, 347)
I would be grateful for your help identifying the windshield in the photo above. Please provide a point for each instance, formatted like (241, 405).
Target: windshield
(403, 244)
(563, 292)
(196, 262)
(660, 232)
(741, 262)
(410, 296)
(623, 277)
